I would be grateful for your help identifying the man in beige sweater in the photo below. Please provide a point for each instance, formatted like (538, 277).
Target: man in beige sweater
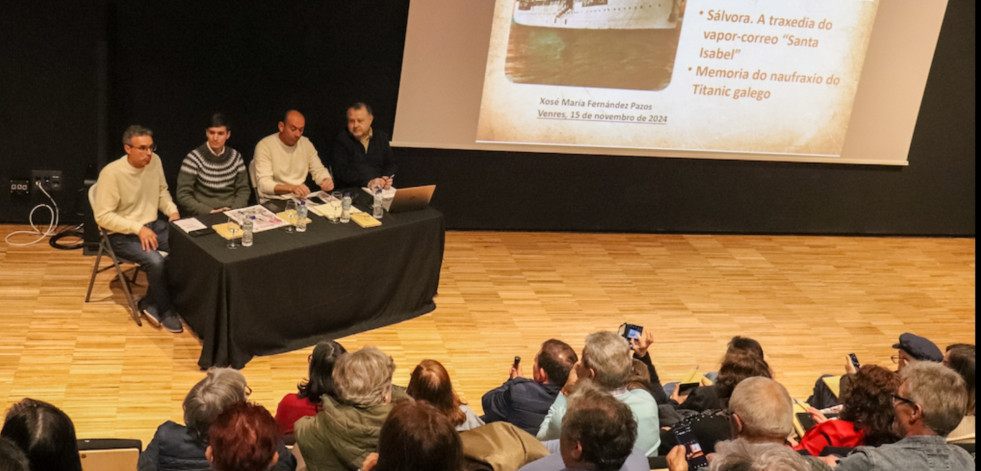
(129, 194)
(282, 161)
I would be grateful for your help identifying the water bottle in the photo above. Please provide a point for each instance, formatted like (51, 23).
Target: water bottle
(346, 208)
(247, 227)
(301, 217)
(377, 211)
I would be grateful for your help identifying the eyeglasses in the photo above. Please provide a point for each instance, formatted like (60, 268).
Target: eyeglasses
(895, 359)
(248, 391)
(152, 148)
(897, 397)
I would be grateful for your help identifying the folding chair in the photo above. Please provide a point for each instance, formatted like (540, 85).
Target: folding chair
(106, 248)
(109, 454)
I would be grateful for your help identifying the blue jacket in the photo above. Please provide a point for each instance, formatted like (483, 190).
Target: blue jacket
(520, 401)
(173, 449)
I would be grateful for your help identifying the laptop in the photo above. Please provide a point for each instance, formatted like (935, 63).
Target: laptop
(412, 198)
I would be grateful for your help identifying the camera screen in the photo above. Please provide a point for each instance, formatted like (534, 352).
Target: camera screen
(693, 450)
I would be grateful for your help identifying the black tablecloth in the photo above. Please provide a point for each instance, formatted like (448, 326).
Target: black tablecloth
(288, 291)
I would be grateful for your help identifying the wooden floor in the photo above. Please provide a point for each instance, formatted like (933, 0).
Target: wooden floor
(809, 300)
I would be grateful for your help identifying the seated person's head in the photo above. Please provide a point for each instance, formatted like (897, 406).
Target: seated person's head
(12, 457)
(867, 401)
(912, 348)
(554, 362)
(606, 359)
(597, 430)
(960, 358)
(640, 376)
(220, 388)
(762, 410)
(321, 373)
(431, 383)
(364, 377)
(745, 344)
(417, 436)
(44, 433)
(931, 396)
(244, 437)
(742, 455)
(737, 366)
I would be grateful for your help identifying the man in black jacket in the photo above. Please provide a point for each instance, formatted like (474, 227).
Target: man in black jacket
(361, 156)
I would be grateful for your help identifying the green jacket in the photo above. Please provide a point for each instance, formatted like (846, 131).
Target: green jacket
(341, 436)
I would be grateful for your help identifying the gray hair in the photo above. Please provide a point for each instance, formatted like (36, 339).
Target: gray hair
(133, 131)
(364, 377)
(741, 455)
(939, 391)
(764, 407)
(207, 399)
(608, 355)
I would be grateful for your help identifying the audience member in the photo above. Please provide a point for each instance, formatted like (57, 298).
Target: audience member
(641, 347)
(430, 382)
(960, 358)
(213, 178)
(416, 436)
(44, 433)
(762, 417)
(361, 155)
(183, 447)
(866, 417)
(910, 348)
(524, 402)
(12, 458)
(283, 160)
(736, 343)
(343, 434)
(606, 359)
(244, 437)
(307, 400)
(598, 433)
(930, 403)
(741, 455)
(130, 192)
(737, 365)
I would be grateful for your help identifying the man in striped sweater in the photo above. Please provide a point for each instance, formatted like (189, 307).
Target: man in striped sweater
(213, 177)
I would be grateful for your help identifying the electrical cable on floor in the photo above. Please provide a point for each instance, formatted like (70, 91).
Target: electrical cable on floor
(76, 232)
(52, 225)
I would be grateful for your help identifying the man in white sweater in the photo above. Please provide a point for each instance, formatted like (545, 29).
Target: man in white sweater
(282, 161)
(129, 194)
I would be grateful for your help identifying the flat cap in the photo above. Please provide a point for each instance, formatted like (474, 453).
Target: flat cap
(919, 347)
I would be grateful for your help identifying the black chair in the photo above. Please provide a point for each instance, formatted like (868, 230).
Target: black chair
(117, 262)
(109, 454)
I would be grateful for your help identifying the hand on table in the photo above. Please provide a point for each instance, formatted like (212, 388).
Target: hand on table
(300, 190)
(220, 210)
(326, 184)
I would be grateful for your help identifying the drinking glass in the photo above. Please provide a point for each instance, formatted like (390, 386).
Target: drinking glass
(291, 215)
(233, 229)
(335, 208)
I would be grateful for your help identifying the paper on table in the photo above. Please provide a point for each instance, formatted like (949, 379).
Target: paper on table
(222, 230)
(282, 215)
(190, 224)
(387, 195)
(365, 220)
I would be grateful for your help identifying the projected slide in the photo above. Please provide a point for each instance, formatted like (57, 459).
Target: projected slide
(727, 76)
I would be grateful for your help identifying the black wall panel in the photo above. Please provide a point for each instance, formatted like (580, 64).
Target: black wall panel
(170, 64)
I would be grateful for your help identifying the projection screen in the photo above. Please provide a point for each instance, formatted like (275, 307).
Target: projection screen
(835, 81)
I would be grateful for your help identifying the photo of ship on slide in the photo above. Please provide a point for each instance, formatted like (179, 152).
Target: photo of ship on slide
(623, 44)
